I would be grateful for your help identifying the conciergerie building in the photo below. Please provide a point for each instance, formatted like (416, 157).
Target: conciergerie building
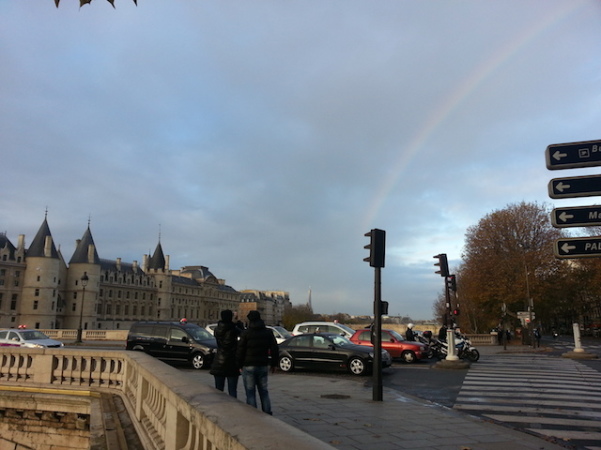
(39, 289)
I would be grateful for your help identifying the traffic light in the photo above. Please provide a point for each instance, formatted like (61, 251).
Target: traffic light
(444, 266)
(452, 283)
(377, 247)
(456, 312)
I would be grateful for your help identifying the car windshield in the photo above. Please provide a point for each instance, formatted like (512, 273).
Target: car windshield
(199, 333)
(32, 335)
(340, 340)
(283, 331)
(349, 330)
(396, 335)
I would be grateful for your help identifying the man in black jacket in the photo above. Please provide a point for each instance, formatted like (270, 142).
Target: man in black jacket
(224, 366)
(255, 348)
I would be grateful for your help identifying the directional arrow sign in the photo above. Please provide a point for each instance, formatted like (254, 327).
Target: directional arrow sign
(580, 216)
(575, 187)
(578, 247)
(573, 155)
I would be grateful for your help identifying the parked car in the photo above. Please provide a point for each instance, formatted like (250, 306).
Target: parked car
(395, 344)
(280, 333)
(323, 327)
(327, 352)
(173, 341)
(27, 338)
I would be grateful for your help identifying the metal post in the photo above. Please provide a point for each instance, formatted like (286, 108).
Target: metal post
(84, 283)
(450, 331)
(377, 333)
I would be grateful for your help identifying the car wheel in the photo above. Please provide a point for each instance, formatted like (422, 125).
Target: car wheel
(408, 356)
(286, 364)
(356, 366)
(198, 360)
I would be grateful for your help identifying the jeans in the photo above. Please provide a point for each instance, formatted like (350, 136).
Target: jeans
(255, 378)
(232, 384)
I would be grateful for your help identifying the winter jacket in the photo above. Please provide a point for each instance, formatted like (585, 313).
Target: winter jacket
(224, 363)
(256, 345)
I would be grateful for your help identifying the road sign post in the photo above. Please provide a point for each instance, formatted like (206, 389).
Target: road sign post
(573, 155)
(579, 216)
(586, 186)
(589, 247)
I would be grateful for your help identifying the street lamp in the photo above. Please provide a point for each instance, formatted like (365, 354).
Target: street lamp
(84, 282)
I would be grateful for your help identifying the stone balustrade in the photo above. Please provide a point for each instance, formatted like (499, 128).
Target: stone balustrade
(169, 408)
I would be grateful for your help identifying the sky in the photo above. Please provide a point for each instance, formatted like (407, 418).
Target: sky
(263, 139)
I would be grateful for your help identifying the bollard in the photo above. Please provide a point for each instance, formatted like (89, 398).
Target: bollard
(577, 343)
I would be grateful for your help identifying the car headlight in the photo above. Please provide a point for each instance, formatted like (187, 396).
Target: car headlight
(34, 346)
(371, 354)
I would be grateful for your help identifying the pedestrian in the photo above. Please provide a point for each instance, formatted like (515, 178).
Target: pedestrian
(537, 336)
(442, 333)
(409, 334)
(224, 367)
(255, 348)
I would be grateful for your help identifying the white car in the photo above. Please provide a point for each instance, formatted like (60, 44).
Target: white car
(27, 338)
(280, 333)
(211, 328)
(323, 327)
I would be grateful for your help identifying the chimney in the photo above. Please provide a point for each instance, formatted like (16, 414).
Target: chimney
(135, 266)
(91, 254)
(21, 242)
(167, 262)
(119, 264)
(145, 263)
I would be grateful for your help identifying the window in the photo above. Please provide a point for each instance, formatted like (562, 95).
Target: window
(35, 304)
(37, 292)
(74, 307)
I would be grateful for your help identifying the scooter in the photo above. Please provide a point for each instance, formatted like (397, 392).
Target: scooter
(463, 349)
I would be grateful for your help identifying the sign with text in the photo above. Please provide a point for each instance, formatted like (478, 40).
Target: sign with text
(571, 187)
(578, 247)
(573, 155)
(578, 216)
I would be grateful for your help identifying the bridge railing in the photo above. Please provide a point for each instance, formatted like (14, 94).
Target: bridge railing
(169, 408)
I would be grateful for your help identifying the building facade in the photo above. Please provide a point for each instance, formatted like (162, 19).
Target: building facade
(38, 289)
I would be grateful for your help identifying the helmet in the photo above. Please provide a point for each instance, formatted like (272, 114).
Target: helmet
(410, 325)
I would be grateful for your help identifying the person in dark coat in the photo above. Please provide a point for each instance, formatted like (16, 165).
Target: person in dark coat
(224, 366)
(257, 350)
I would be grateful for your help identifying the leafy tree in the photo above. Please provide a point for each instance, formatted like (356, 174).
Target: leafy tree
(297, 314)
(507, 260)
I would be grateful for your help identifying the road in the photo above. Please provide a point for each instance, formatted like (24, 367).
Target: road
(538, 393)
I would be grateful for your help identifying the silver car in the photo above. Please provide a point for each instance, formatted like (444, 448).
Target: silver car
(27, 338)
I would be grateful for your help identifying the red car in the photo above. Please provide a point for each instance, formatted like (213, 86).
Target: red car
(397, 346)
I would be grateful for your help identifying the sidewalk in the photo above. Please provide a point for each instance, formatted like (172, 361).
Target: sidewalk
(341, 412)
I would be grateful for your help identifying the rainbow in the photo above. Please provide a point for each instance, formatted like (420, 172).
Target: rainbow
(562, 11)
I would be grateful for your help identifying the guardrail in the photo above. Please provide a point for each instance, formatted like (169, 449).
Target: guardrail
(169, 408)
(87, 335)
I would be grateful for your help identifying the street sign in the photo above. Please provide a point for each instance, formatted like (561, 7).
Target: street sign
(579, 216)
(577, 247)
(573, 155)
(571, 187)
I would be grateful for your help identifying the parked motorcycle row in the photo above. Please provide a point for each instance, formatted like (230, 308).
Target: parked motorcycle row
(463, 348)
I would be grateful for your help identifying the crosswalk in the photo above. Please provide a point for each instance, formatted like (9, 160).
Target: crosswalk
(556, 398)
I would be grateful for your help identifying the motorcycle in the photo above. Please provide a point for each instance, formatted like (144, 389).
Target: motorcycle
(463, 349)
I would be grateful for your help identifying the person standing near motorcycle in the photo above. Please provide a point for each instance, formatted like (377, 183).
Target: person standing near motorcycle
(409, 334)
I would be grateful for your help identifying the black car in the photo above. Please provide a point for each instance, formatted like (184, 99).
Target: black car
(173, 341)
(328, 352)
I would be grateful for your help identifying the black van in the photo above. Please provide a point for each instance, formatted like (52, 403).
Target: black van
(173, 341)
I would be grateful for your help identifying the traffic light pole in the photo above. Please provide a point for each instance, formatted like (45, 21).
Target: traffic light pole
(450, 331)
(377, 337)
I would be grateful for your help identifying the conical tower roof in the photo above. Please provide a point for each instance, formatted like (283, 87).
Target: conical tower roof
(157, 261)
(36, 249)
(80, 255)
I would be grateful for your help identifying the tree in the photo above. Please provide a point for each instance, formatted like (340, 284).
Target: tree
(85, 2)
(297, 314)
(508, 260)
